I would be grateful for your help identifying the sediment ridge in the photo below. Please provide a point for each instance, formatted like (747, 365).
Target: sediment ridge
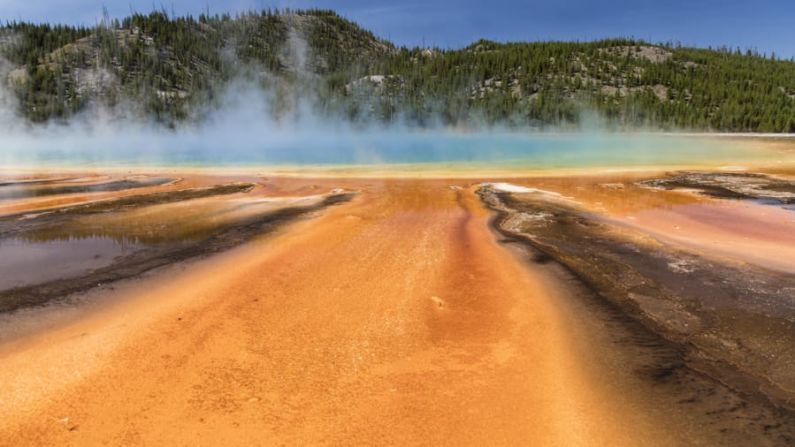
(728, 323)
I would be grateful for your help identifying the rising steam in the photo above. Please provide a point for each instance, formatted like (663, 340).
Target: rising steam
(243, 129)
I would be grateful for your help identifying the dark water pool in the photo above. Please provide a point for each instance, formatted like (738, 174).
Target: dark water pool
(24, 262)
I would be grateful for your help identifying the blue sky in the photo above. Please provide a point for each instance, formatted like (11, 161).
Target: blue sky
(766, 25)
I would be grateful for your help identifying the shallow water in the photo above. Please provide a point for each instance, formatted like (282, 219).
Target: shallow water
(25, 262)
(186, 221)
(35, 189)
(35, 251)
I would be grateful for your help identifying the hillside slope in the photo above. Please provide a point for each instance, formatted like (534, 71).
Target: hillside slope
(174, 68)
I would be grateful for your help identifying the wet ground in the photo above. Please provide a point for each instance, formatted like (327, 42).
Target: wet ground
(18, 189)
(24, 262)
(614, 309)
(718, 333)
(394, 318)
(741, 185)
(51, 254)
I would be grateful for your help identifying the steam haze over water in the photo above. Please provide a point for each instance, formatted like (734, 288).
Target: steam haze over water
(243, 131)
(225, 145)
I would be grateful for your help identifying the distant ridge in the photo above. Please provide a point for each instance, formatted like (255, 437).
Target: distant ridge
(175, 68)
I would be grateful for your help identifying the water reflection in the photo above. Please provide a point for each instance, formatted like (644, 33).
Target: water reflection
(187, 221)
(31, 181)
(74, 246)
(17, 190)
(25, 261)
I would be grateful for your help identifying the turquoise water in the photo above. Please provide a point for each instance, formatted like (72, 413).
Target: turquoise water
(389, 146)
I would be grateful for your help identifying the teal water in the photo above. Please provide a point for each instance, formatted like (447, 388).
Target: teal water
(389, 146)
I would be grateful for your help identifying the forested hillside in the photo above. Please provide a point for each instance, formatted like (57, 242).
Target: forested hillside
(175, 68)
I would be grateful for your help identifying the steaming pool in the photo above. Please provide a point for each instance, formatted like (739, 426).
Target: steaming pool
(515, 150)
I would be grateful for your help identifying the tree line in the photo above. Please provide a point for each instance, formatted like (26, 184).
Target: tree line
(173, 66)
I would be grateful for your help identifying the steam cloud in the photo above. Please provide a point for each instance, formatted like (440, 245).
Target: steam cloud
(243, 130)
